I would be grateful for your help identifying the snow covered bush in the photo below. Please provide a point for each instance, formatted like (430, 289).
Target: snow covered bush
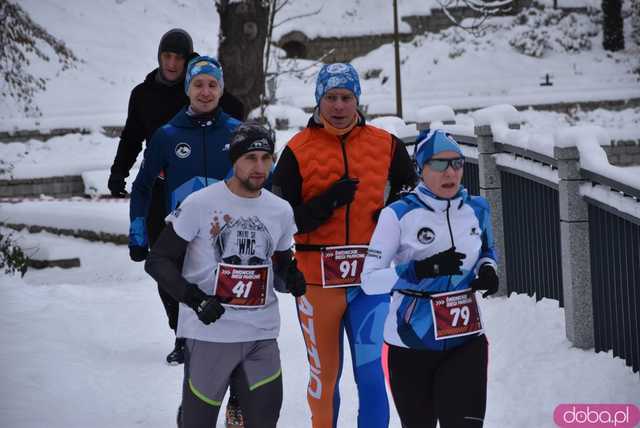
(539, 29)
(12, 258)
(532, 42)
(576, 32)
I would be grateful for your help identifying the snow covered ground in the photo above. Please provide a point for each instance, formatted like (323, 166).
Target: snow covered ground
(85, 347)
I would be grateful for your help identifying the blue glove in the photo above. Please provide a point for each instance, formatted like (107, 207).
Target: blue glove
(138, 244)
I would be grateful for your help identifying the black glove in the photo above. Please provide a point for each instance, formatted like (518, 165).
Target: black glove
(340, 193)
(138, 254)
(208, 308)
(296, 284)
(487, 280)
(116, 185)
(444, 263)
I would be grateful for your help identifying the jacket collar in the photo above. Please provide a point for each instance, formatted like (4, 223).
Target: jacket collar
(436, 203)
(315, 122)
(184, 120)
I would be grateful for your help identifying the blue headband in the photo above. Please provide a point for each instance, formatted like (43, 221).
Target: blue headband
(432, 142)
(203, 65)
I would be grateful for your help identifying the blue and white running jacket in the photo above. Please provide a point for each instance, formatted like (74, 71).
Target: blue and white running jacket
(415, 227)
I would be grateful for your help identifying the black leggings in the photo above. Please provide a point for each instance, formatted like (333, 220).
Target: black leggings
(447, 386)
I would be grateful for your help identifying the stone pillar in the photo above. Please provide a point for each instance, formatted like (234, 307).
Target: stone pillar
(575, 250)
(491, 189)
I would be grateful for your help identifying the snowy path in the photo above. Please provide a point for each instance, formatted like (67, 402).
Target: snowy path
(85, 347)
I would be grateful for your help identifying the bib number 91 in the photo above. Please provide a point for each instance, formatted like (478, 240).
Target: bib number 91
(348, 268)
(341, 266)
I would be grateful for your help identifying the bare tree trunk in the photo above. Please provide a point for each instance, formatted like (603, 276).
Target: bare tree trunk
(243, 31)
(635, 21)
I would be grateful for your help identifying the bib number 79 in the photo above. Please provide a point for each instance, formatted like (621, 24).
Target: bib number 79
(460, 312)
(242, 289)
(348, 268)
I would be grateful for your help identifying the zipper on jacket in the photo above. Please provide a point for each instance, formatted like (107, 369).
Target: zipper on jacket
(346, 175)
(204, 148)
(449, 223)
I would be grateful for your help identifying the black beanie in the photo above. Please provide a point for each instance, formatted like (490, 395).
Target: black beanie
(177, 41)
(250, 137)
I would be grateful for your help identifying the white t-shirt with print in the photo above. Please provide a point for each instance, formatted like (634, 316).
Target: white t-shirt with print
(222, 226)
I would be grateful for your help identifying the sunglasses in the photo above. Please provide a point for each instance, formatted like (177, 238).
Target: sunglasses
(440, 165)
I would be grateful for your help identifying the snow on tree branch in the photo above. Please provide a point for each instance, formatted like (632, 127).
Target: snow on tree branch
(20, 39)
(483, 8)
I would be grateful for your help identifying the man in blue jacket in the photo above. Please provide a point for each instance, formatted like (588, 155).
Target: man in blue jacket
(190, 149)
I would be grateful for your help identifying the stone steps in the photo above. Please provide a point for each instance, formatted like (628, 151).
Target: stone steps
(62, 186)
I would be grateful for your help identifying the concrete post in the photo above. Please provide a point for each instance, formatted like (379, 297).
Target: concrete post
(491, 189)
(575, 250)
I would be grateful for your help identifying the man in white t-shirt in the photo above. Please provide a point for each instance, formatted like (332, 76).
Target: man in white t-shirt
(236, 241)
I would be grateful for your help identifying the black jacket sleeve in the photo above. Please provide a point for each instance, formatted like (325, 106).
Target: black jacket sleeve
(402, 172)
(287, 183)
(131, 138)
(281, 261)
(164, 263)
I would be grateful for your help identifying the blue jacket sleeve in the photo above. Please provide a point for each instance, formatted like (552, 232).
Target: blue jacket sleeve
(153, 162)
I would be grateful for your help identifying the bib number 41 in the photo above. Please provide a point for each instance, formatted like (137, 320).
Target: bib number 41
(243, 286)
(242, 289)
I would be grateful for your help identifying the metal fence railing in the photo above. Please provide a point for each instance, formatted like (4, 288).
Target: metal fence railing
(471, 177)
(615, 282)
(532, 237)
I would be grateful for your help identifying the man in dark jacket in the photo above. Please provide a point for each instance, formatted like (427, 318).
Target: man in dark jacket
(152, 104)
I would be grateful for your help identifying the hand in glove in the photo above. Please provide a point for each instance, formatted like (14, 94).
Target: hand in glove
(340, 193)
(138, 254)
(296, 284)
(208, 308)
(487, 280)
(116, 185)
(444, 263)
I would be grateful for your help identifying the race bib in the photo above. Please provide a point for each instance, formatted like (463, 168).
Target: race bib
(246, 286)
(342, 266)
(455, 314)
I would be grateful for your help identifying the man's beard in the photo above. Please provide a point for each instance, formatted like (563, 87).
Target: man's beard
(251, 185)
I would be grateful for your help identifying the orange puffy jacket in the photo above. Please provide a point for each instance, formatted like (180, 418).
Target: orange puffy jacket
(322, 158)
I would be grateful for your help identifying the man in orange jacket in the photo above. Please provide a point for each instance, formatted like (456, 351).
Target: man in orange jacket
(334, 174)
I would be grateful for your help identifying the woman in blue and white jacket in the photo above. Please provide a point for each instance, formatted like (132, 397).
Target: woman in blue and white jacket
(431, 251)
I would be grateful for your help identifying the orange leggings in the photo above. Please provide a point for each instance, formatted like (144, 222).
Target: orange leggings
(324, 315)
